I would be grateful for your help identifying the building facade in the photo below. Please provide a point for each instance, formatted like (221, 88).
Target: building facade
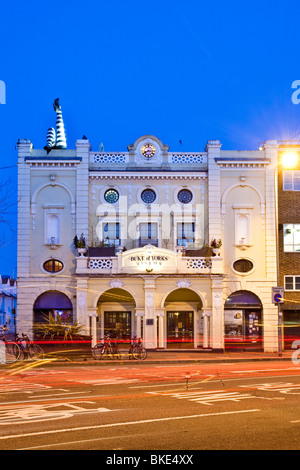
(148, 216)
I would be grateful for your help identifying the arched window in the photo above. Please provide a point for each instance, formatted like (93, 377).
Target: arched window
(53, 304)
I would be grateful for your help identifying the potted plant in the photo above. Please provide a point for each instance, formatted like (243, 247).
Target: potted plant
(215, 246)
(80, 244)
(60, 337)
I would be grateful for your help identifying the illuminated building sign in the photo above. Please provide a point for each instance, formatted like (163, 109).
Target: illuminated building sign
(148, 259)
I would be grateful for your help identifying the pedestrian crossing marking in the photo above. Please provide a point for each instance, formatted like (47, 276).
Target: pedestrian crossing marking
(209, 397)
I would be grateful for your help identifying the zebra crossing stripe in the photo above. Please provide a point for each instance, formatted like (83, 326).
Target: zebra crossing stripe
(208, 398)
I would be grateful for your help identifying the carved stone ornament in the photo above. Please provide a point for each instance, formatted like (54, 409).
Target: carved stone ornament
(183, 284)
(116, 284)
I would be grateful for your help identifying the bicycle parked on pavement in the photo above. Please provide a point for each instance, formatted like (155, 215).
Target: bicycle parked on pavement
(11, 351)
(137, 350)
(29, 349)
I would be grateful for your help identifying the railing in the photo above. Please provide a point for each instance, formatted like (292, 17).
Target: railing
(187, 158)
(148, 241)
(109, 157)
(177, 158)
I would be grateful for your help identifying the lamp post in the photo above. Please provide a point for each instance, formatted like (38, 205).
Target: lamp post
(277, 259)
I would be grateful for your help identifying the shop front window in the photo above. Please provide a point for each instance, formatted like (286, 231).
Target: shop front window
(243, 320)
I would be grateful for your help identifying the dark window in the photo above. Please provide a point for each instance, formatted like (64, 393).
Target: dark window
(53, 266)
(185, 196)
(292, 282)
(243, 265)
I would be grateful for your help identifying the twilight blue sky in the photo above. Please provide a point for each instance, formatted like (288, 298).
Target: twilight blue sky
(181, 70)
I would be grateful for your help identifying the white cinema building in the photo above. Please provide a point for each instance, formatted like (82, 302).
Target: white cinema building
(148, 216)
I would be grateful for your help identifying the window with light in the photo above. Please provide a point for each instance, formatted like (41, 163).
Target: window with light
(53, 266)
(291, 237)
(291, 181)
(185, 233)
(111, 234)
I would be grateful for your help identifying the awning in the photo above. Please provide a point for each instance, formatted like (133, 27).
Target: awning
(243, 299)
(53, 300)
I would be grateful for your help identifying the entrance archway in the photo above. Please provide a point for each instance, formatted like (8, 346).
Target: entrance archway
(116, 309)
(243, 321)
(182, 318)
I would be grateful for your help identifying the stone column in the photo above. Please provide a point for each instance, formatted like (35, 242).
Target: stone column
(161, 330)
(25, 298)
(214, 190)
(139, 313)
(81, 303)
(82, 188)
(150, 338)
(217, 327)
(92, 313)
(206, 314)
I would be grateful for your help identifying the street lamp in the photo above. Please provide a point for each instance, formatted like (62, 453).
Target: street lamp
(289, 160)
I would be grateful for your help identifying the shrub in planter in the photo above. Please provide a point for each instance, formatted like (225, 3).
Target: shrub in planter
(101, 251)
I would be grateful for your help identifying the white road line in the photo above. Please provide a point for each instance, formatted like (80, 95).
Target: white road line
(61, 444)
(127, 423)
(160, 385)
(258, 370)
(34, 400)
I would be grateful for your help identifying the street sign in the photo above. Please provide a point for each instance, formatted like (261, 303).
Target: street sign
(277, 295)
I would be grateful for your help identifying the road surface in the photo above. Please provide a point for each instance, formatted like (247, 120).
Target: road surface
(179, 407)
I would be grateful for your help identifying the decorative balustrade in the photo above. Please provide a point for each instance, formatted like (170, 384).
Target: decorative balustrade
(123, 157)
(100, 263)
(182, 265)
(197, 263)
(108, 157)
(187, 158)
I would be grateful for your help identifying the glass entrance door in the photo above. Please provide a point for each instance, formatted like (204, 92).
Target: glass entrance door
(180, 329)
(118, 325)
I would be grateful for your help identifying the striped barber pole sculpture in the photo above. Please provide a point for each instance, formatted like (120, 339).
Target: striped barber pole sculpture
(51, 137)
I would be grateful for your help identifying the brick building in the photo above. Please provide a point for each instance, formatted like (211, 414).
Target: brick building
(289, 241)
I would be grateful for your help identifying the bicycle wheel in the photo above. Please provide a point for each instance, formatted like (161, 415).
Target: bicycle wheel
(35, 352)
(139, 353)
(98, 351)
(116, 353)
(13, 353)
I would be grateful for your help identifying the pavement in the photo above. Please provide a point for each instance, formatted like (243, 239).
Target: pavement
(170, 356)
(181, 356)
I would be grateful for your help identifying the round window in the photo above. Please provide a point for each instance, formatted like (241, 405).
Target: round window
(243, 265)
(53, 266)
(185, 196)
(148, 196)
(111, 196)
